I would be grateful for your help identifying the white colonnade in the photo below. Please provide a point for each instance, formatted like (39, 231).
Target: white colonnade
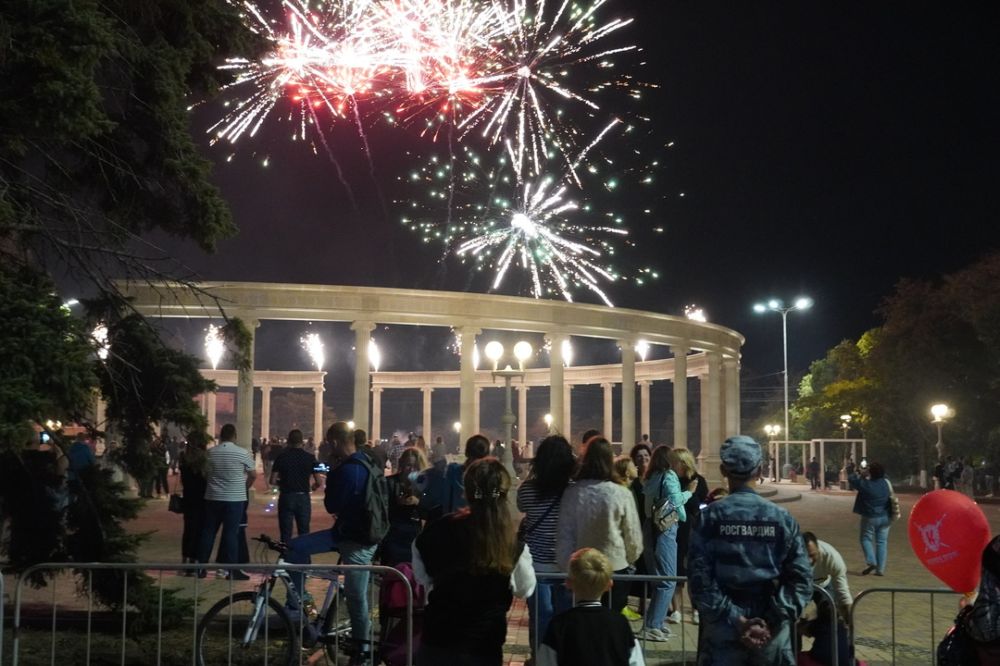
(707, 351)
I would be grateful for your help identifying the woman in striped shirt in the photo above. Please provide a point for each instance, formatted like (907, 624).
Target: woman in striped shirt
(538, 498)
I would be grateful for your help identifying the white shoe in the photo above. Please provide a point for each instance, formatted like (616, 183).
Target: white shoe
(694, 617)
(674, 618)
(654, 635)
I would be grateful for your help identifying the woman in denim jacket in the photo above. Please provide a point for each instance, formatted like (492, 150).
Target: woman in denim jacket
(662, 482)
(872, 504)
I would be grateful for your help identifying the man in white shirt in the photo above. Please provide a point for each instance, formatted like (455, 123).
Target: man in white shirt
(829, 572)
(231, 472)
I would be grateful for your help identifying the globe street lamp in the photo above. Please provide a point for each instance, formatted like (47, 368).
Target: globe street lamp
(548, 423)
(941, 413)
(845, 423)
(494, 352)
(773, 431)
(774, 305)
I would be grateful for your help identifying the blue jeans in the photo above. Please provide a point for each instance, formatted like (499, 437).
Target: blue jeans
(874, 537)
(300, 550)
(664, 564)
(297, 507)
(549, 598)
(229, 516)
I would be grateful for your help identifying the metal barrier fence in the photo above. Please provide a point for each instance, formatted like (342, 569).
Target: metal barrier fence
(898, 643)
(228, 620)
(647, 583)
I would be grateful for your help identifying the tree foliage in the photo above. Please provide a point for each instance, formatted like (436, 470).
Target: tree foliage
(95, 150)
(95, 146)
(47, 370)
(938, 343)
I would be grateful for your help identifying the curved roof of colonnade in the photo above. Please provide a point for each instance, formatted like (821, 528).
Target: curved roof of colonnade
(312, 302)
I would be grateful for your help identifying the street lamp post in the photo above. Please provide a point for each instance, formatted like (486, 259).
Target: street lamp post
(941, 413)
(774, 305)
(522, 352)
(773, 431)
(548, 423)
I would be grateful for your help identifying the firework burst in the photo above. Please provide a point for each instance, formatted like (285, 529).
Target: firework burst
(313, 344)
(527, 75)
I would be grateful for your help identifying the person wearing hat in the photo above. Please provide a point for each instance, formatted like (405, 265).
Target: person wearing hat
(749, 574)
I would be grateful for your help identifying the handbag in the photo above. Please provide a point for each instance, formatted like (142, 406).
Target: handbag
(892, 504)
(176, 503)
(958, 648)
(664, 512)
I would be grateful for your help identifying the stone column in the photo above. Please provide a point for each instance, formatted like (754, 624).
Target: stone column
(376, 433)
(362, 335)
(644, 407)
(711, 454)
(557, 396)
(244, 393)
(476, 410)
(522, 415)
(265, 411)
(628, 394)
(567, 411)
(703, 419)
(210, 413)
(732, 375)
(467, 393)
(822, 464)
(680, 396)
(427, 390)
(609, 424)
(318, 432)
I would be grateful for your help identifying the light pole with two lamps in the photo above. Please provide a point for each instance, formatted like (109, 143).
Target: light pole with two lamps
(522, 352)
(774, 305)
(773, 430)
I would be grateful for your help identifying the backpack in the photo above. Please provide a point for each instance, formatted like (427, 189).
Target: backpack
(376, 510)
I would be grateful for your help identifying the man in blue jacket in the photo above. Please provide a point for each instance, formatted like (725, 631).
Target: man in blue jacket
(345, 501)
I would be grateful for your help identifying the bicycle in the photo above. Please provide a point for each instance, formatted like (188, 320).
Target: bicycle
(240, 630)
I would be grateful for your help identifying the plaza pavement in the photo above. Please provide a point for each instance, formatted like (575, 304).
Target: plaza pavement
(828, 514)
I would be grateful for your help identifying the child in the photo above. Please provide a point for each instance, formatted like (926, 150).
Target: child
(589, 634)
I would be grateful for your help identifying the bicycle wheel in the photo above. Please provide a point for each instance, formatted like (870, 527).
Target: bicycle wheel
(236, 631)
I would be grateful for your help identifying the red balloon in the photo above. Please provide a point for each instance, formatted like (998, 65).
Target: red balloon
(948, 532)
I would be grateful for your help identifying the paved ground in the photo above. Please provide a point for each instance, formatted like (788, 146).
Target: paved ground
(916, 622)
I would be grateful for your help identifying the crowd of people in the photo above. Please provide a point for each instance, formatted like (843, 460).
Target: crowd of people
(587, 515)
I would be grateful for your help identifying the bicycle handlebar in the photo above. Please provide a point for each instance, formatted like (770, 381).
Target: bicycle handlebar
(277, 546)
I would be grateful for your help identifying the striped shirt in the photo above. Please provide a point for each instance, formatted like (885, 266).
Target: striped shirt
(541, 518)
(227, 468)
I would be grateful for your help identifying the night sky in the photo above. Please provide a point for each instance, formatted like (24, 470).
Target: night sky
(826, 149)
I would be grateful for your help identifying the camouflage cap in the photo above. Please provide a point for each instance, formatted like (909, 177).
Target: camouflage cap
(740, 454)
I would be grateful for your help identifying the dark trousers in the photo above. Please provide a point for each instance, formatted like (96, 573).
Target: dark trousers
(162, 486)
(617, 598)
(194, 523)
(297, 507)
(228, 515)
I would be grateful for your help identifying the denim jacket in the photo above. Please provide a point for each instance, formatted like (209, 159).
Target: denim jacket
(873, 496)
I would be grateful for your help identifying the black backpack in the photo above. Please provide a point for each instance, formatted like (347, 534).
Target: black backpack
(376, 519)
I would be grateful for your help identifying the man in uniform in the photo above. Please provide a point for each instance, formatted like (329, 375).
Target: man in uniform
(749, 574)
